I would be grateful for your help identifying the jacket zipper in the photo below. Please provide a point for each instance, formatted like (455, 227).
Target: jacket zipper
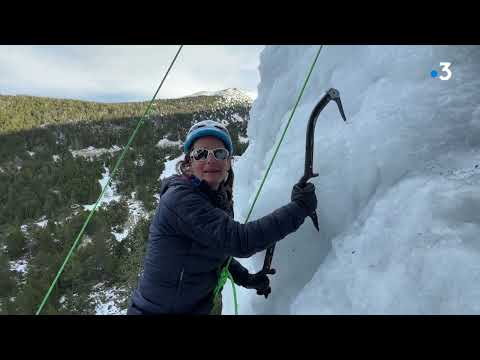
(180, 281)
(179, 288)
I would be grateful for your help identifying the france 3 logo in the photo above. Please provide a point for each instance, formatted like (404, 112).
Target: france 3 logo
(445, 69)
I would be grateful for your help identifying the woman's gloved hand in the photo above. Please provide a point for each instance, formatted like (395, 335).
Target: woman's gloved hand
(304, 196)
(259, 282)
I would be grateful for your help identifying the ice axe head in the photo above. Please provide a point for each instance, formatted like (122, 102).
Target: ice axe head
(335, 96)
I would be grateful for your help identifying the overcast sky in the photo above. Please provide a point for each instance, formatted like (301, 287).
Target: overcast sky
(126, 73)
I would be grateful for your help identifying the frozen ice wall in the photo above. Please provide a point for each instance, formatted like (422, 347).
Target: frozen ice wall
(398, 190)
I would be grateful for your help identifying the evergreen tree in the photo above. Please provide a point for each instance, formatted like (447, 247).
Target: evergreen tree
(131, 265)
(16, 244)
(7, 283)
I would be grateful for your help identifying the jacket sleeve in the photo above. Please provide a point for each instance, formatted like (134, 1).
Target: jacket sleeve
(238, 272)
(210, 226)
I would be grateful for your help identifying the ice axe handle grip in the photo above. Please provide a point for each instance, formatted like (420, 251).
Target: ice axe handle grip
(303, 181)
(267, 264)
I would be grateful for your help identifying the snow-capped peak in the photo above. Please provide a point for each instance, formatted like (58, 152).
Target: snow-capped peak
(230, 93)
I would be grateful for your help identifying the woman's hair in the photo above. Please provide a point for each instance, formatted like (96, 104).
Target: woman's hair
(183, 167)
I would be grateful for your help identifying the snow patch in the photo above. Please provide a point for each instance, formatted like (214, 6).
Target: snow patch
(164, 143)
(31, 153)
(136, 212)
(170, 167)
(91, 152)
(55, 158)
(109, 194)
(230, 95)
(24, 229)
(107, 300)
(242, 139)
(119, 236)
(19, 266)
(140, 162)
(237, 118)
(86, 240)
(42, 222)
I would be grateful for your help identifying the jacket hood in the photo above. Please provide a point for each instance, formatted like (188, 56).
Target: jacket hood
(172, 181)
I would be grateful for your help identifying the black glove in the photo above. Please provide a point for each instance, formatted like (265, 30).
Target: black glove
(304, 196)
(259, 282)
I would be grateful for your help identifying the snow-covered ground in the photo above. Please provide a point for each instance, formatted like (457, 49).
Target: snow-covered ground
(109, 194)
(92, 152)
(163, 143)
(237, 118)
(139, 162)
(86, 240)
(42, 222)
(170, 167)
(136, 209)
(136, 212)
(19, 266)
(24, 229)
(106, 300)
(398, 190)
(119, 236)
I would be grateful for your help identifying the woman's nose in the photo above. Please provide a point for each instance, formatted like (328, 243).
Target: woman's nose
(210, 157)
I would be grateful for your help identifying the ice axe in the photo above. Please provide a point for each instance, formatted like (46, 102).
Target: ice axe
(332, 94)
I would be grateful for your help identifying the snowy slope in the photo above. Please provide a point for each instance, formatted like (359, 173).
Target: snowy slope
(232, 95)
(109, 194)
(398, 186)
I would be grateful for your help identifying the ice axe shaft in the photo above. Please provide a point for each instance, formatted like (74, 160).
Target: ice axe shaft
(332, 94)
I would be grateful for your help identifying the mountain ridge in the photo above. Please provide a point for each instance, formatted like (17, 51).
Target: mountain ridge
(18, 112)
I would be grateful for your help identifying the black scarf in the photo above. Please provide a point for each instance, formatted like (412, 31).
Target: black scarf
(218, 198)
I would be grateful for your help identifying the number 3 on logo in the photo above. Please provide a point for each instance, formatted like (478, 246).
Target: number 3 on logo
(445, 68)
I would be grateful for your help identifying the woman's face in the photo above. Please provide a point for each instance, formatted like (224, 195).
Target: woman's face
(211, 170)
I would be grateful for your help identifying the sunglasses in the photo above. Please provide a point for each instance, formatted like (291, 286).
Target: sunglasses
(202, 154)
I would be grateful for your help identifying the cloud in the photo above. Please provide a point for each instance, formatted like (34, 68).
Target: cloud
(126, 73)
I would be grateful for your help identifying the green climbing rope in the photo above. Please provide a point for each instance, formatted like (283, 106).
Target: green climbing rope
(225, 274)
(140, 122)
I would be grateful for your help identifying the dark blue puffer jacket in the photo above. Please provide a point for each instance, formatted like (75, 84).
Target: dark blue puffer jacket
(191, 238)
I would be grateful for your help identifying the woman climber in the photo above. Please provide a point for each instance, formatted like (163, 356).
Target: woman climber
(193, 233)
